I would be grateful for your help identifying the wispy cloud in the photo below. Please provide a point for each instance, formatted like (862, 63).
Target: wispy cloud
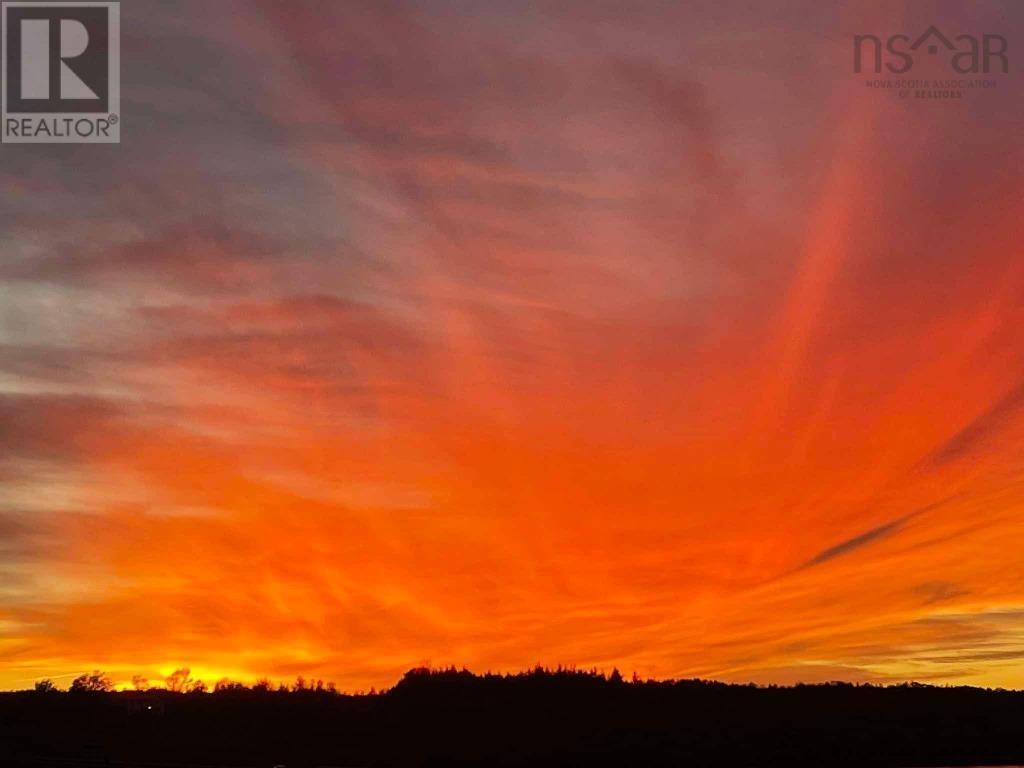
(397, 334)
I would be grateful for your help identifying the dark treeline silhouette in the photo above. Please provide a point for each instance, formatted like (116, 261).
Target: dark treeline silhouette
(540, 718)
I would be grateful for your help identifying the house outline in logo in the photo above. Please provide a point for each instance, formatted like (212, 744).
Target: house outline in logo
(932, 49)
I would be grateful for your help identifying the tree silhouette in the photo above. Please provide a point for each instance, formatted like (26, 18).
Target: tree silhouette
(539, 719)
(225, 685)
(181, 681)
(94, 682)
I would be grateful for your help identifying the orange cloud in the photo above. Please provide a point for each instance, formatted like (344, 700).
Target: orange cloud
(566, 357)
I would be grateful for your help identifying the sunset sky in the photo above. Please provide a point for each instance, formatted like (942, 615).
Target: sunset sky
(504, 333)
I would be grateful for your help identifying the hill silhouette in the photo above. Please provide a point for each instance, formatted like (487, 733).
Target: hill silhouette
(539, 718)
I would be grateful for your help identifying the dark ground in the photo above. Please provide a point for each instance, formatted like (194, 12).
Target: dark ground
(537, 719)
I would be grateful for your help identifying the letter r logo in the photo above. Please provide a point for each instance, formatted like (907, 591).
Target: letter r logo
(36, 62)
(57, 57)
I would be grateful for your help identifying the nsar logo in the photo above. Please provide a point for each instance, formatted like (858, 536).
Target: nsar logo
(968, 55)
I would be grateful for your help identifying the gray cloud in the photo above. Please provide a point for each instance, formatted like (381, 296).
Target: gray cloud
(875, 534)
(982, 429)
(939, 591)
(856, 542)
(52, 426)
